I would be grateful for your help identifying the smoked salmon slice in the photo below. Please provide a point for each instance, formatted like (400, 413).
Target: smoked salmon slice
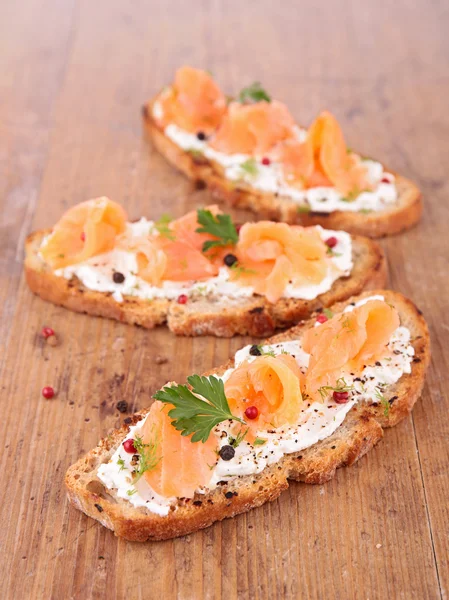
(271, 255)
(272, 385)
(323, 159)
(85, 230)
(347, 342)
(194, 102)
(182, 466)
(253, 128)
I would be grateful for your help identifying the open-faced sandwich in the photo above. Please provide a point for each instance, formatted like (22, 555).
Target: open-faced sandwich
(251, 154)
(200, 273)
(298, 406)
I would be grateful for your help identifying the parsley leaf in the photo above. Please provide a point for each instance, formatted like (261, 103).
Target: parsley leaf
(220, 226)
(254, 93)
(162, 226)
(194, 415)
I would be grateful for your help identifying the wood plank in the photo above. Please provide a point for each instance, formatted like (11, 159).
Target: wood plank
(380, 528)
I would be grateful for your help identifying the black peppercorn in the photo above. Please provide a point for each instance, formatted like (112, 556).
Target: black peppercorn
(255, 350)
(122, 406)
(229, 260)
(201, 136)
(229, 495)
(118, 277)
(227, 452)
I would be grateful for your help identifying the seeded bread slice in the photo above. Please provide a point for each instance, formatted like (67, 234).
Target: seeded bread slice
(202, 315)
(396, 218)
(360, 431)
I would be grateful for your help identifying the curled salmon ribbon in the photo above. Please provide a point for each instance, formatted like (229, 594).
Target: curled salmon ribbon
(253, 128)
(181, 466)
(85, 230)
(177, 255)
(272, 385)
(272, 255)
(323, 159)
(194, 102)
(347, 342)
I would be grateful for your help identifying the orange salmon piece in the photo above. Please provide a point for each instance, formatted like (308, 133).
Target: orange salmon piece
(323, 159)
(194, 102)
(272, 384)
(85, 230)
(273, 254)
(348, 341)
(184, 263)
(253, 128)
(183, 466)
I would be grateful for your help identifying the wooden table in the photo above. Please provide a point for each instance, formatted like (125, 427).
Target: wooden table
(73, 74)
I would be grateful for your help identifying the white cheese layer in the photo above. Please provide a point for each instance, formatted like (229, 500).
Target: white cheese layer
(97, 272)
(317, 422)
(270, 178)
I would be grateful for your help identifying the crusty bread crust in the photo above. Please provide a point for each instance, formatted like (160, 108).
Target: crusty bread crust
(394, 219)
(359, 432)
(203, 315)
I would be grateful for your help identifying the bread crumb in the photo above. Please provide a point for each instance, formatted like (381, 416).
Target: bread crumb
(378, 546)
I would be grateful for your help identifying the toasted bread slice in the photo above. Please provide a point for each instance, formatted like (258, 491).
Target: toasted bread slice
(398, 217)
(359, 432)
(203, 315)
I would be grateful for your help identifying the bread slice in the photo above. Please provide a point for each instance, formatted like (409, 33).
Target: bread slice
(202, 315)
(398, 217)
(360, 431)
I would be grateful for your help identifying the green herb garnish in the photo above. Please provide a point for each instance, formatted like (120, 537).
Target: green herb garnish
(329, 314)
(384, 402)
(148, 456)
(131, 492)
(266, 352)
(195, 152)
(235, 441)
(365, 211)
(250, 167)
(331, 252)
(353, 195)
(121, 463)
(259, 442)
(197, 415)
(239, 270)
(254, 93)
(340, 386)
(303, 208)
(220, 226)
(162, 226)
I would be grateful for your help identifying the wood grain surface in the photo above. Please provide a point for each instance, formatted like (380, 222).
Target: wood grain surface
(73, 74)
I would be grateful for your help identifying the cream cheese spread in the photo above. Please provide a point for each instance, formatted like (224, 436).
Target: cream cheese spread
(317, 422)
(270, 178)
(97, 272)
